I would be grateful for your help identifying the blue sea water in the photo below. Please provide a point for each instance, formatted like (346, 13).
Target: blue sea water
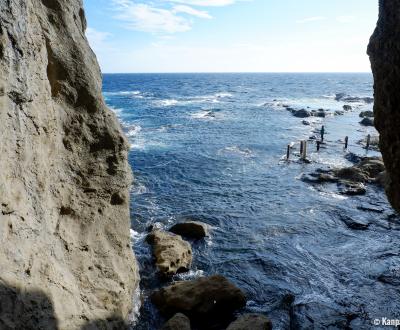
(212, 146)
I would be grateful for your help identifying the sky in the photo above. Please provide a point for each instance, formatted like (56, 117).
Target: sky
(130, 36)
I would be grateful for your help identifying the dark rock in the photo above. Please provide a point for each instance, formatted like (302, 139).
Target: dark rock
(251, 321)
(347, 107)
(305, 122)
(391, 276)
(339, 113)
(212, 297)
(302, 113)
(353, 189)
(367, 121)
(353, 174)
(339, 96)
(177, 322)
(372, 166)
(366, 114)
(355, 223)
(370, 208)
(384, 52)
(173, 255)
(190, 229)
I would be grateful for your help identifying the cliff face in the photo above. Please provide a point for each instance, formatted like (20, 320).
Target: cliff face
(384, 52)
(64, 178)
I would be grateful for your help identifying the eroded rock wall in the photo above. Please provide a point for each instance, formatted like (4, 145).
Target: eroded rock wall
(384, 52)
(64, 176)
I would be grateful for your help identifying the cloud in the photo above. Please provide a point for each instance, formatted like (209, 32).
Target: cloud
(97, 39)
(206, 3)
(311, 19)
(191, 11)
(164, 16)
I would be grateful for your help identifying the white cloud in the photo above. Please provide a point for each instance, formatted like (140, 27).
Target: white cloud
(205, 3)
(97, 39)
(191, 11)
(311, 19)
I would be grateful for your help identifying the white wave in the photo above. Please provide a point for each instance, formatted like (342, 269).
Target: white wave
(121, 93)
(205, 114)
(222, 95)
(134, 314)
(190, 275)
(141, 144)
(117, 111)
(167, 102)
(237, 150)
(139, 189)
(135, 236)
(133, 130)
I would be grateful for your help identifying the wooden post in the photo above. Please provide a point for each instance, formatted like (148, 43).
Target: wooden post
(301, 147)
(318, 145)
(368, 140)
(304, 156)
(288, 152)
(346, 142)
(322, 133)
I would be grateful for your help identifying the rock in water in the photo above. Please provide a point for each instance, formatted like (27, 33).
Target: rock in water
(367, 121)
(190, 229)
(64, 179)
(366, 114)
(173, 254)
(177, 322)
(251, 321)
(205, 298)
(347, 107)
(302, 113)
(384, 52)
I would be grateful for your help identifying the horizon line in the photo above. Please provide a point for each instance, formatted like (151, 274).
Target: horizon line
(240, 72)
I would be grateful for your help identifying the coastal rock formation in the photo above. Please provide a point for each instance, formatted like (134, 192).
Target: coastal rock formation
(173, 254)
(66, 259)
(205, 298)
(177, 322)
(190, 229)
(384, 52)
(251, 321)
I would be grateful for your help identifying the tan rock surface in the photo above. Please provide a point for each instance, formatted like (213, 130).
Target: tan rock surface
(173, 255)
(64, 179)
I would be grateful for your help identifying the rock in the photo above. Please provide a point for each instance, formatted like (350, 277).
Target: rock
(353, 189)
(353, 174)
(370, 208)
(190, 229)
(366, 114)
(306, 123)
(302, 113)
(339, 113)
(381, 179)
(367, 121)
(201, 299)
(251, 321)
(372, 166)
(66, 256)
(339, 96)
(384, 52)
(177, 322)
(173, 255)
(347, 107)
(355, 223)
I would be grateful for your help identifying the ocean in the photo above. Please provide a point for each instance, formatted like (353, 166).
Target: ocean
(212, 147)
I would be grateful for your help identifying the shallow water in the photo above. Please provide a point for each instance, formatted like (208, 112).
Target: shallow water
(211, 147)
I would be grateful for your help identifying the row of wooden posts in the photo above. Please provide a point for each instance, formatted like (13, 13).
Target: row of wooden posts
(303, 145)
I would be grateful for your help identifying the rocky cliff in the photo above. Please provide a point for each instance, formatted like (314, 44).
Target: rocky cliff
(384, 52)
(65, 257)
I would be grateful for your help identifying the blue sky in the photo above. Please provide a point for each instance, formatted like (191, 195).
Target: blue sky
(231, 35)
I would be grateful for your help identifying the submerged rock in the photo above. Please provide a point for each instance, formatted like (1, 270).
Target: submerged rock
(208, 297)
(367, 121)
(356, 223)
(190, 229)
(178, 322)
(306, 123)
(173, 255)
(353, 189)
(347, 107)
(251, 321)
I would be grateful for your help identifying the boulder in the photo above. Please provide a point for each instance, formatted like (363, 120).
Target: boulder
(367, 121)
(347, 107)
(353, 174)
(190, 229)
(204, 298)
(367, 114)
(372, 166)
(356, 223)
(320, 113)
(306, 123)
(302, 113)
(251, 321)
(173, 255)
(178, 322)
(339, 113)
(353, 189)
